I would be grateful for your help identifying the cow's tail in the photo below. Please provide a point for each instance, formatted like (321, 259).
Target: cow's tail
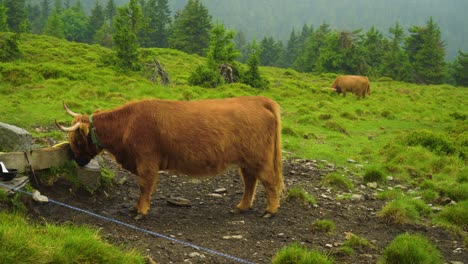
(278, 156)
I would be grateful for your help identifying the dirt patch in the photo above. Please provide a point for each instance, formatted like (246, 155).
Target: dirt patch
(209, 223)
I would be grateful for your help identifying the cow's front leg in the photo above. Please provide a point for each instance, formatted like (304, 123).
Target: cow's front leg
(147, 182)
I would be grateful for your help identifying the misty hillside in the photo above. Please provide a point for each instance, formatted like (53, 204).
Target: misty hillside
(277, 18)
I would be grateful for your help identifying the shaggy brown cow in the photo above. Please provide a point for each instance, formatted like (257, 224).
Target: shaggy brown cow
(197, 138)
(359, 85)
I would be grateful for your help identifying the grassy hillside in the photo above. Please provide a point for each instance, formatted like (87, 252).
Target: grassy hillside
(317, 124)
(416, 134)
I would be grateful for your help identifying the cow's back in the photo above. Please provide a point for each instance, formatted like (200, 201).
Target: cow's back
(206, 136)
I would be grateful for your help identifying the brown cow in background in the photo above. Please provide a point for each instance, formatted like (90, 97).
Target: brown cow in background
(359, 85)
(197, 138)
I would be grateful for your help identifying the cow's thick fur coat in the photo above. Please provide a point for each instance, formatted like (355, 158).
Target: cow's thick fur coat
(197, 138)
(359, 85)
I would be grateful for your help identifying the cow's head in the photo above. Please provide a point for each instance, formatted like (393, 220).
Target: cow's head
(79, 136)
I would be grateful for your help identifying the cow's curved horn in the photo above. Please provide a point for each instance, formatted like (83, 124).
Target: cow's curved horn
(69, 111)
(68, 129)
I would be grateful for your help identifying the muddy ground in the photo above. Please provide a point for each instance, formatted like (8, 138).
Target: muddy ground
(209, 223)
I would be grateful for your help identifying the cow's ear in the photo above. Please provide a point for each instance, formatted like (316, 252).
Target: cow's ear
(84, 129)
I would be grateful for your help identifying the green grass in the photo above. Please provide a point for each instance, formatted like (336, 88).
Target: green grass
(404, 210)
(297, 193)
(324, 226)
(454, 217)
(338, 181)
(418, 134)
(410, 249)
(23, 242)
(354, 242)
(299, 255)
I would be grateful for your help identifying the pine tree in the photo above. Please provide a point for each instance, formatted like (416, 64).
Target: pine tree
(241, 45)
(75, 23)
(308, 53)
(157, 16)
(125, 40)
(110, 12)
(426, 52)
(3, 19)
(35, 18)
(58, 7)
(460, 68)
(395, 62)
(17, 18)
(191, 28)
(54, 25)
(270, 51)
(221, 53)
(96, 20)
(252, 76)
(292, 50)
(374, 47)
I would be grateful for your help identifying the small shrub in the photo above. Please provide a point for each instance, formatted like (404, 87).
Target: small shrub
(433, 142)
(16, 75)
(336, 127)
(356, 242)
(9, 47)
(455, 215)
(205, 76)
(299, 255)
(429, 196)
(299, 194)
(349, 116)
(338, 181)
(325, 116)
(462, 176)
(374, 174)
(458, 116)
(286, 130)
(404, 210)
(389, 194)
(325, 226)
(410, 249)
(456, 191)
(387, 114)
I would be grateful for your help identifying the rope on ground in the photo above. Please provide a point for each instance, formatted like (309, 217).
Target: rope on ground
(213, 252)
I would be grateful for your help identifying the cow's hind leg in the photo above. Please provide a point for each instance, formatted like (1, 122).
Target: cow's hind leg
(273, 188)
(250, 185)
(147, 182)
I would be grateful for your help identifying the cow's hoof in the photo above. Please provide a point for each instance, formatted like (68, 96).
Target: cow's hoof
(268, 215)
(139, 217)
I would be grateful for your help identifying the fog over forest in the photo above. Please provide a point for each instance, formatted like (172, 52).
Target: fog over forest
(277, 18)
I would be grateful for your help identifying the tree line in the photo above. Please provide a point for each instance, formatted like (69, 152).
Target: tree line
(414, 57)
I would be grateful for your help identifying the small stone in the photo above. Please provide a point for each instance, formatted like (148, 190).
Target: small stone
(357, 197)
(179, 201)
(372, 185)
(194, 254)
(328, 245)
(215, 195)
(233, 237)
(39, 198)
(389, 178)
(220, 190)
(351, 161)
